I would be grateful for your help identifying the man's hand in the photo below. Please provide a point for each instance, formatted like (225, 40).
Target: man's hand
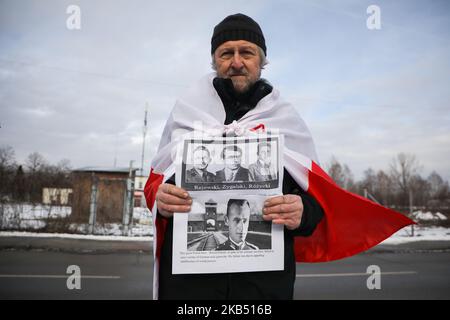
(286, 209)
(170, 199)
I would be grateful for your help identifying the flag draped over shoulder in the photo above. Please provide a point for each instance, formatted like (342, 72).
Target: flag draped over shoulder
(351, 223)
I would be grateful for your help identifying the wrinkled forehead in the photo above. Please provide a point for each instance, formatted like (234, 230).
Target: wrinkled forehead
(237, 45)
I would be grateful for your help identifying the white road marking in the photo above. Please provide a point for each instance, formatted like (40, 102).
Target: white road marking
(324, 275)
(52, 276)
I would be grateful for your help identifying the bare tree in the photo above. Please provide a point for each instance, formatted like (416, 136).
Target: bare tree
(420, 189)
(19, 185)
(36, 176)
(369, 181)
(439, 189)
(402, 170)
(35, 162)
(341, 174)
(383, 188)
(7, 166)
(7, 156)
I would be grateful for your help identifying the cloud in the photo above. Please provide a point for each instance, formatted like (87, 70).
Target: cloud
(81, 94)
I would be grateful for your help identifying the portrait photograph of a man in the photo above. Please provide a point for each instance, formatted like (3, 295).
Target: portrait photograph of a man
(227, 224)
(263, 169)
(233, 170)
(199, 171)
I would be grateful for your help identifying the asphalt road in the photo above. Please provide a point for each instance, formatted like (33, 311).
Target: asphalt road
(420, 275)
(41, 274)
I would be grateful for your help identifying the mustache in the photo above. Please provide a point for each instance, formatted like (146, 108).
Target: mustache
(241, 72)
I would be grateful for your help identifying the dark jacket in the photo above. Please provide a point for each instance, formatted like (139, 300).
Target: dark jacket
(255, 171)
(240, 285)
(242, 174)
(228, 245)
(193, 176)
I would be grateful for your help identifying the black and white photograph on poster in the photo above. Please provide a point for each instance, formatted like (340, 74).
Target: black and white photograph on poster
(226, 233)
(235, 224)
(226, 163)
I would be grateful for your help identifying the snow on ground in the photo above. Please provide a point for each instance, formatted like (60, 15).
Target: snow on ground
(27, 216)
(402, 236)
(113, 229)
(420, 234)
(30, 212)
(419, 215)
(72, 236)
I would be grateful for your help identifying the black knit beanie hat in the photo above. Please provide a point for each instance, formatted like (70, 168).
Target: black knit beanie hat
(238, 27)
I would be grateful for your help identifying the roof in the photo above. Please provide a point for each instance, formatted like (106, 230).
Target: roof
(105, 169)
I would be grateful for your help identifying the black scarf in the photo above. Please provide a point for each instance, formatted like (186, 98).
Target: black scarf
(238, 104)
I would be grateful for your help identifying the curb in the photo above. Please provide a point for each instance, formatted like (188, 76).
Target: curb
(75, 245)
(421, 246)
(59, 244)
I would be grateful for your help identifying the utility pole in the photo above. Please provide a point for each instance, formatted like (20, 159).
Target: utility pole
(128, 204)
(93, 204)
(115, 151)
(143, 139)
(411, 210)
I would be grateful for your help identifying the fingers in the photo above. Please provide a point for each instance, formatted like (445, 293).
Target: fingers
(287, 198)
(170, 209)
(291, 222)
(284, 215)
(286, 210)
(282, 208)
(172, 199)
(285, 204)
(174, 190)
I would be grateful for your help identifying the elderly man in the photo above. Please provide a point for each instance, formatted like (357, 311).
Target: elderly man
(239, 53)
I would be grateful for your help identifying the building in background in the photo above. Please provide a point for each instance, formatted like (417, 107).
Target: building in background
(57, 196)
(139, 184)
(103, 195)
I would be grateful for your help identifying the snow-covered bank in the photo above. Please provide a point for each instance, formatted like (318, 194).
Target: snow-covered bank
(402, 236)
(72, 236)
(420, 234)
(427, 216)
(25, 216)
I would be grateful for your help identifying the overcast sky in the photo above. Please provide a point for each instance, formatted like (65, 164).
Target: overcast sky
(366, 95)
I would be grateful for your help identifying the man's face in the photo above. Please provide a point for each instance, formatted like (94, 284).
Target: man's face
(201, 159)
(232, 159)
(239, 61)
(264, 154)
(237, 220)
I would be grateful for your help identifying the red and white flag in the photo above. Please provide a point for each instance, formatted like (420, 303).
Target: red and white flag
(351, 223)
